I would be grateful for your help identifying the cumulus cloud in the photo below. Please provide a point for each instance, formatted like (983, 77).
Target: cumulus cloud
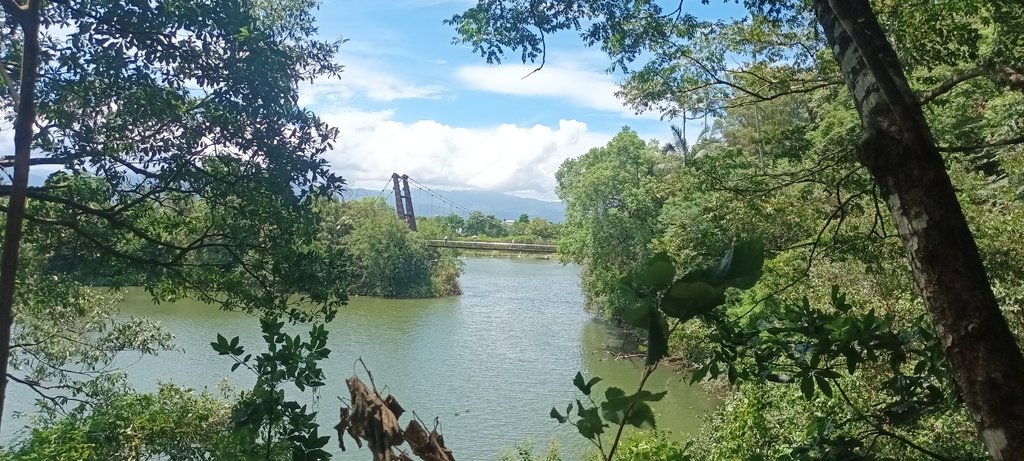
(506, 158)
(364, 81)
(595, 90)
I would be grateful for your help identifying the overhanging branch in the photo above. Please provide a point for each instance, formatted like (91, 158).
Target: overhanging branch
(999, 143)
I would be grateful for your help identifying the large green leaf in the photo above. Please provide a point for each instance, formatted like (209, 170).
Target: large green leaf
(615, 405)
(638, 314)
(657, 340)
(686, 300)
(658, 273)
(641, 415)
(747, 260)
(740, 267)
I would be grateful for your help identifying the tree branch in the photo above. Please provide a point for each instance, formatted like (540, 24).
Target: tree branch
(7, 161)
(954, 80)
(999, 143)
(10, 85)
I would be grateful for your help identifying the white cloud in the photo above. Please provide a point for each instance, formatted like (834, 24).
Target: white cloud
(505, 158)
(364, 81)
(595, 90)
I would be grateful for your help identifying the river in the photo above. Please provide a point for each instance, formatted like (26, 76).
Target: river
(489, 363)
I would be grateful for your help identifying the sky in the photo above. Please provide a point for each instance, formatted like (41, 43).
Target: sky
(409, 101)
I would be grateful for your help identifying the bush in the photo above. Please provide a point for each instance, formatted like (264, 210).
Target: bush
(651, 446)
(524, 452)
(173, 424)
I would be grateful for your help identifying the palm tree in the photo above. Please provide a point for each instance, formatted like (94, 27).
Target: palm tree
(678, 144)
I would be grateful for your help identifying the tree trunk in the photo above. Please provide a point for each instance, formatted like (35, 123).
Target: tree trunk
(27, 17)
(900, 152)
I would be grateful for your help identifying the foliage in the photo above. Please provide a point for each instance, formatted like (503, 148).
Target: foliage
(67, 338)
(286, 429)
(385, 258)
(454, 227)
(524, 452)
(779, 161)
(181, 164)
(739, 429)
(612, 206)
(477, 223)
(172, 424)
(655, 295)
(185, 165)
(654, 446)
(440, 227)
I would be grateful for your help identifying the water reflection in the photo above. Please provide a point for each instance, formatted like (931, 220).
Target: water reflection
(490, 363)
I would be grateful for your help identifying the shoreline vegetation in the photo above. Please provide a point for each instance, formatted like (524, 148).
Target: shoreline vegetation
(384, 257)
(508, 255)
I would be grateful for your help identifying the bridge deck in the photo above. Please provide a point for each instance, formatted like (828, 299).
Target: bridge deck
(494, 246)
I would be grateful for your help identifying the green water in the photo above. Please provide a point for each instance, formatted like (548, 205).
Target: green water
(490, 363)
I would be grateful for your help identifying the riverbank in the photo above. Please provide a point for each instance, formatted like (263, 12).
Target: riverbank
(484, 254)
(490, 363)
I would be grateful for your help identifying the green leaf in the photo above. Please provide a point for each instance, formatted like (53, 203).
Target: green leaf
(746, 265)
(658, 273)
(589, 425)
(852, 359)
(638, 313)
(648, 396)
(657, 340)
(584, 386)
(686, 300)
(823, 384)
(740, 267)
(556, 415)
(614, 396)
(613, 410)
(807, 387)
(700, 374)
(641, 415)
(221, 345)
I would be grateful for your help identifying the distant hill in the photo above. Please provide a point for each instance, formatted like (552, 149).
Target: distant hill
(500, 205)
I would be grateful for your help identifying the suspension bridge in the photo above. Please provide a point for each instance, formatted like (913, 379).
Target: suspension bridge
(436, 204)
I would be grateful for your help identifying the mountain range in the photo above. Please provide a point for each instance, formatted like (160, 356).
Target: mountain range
(500, 205)
(503, 206)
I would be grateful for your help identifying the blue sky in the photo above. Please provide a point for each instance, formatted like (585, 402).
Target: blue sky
(411, 102)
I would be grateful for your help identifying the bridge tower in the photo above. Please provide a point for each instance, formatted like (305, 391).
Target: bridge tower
(403, 200)
(410, 215)
(399, 206)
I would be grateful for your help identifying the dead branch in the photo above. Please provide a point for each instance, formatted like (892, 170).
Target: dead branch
(374, 419)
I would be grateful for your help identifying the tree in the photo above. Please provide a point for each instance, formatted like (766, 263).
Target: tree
(386, 258)
(611, 213)
(678, 145)
(686, 65)
(477, 223)
(543, 229)
(186, 158)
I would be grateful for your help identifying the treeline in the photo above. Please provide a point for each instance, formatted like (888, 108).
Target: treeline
(379, 255)
(480, 226)
(858, 365)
